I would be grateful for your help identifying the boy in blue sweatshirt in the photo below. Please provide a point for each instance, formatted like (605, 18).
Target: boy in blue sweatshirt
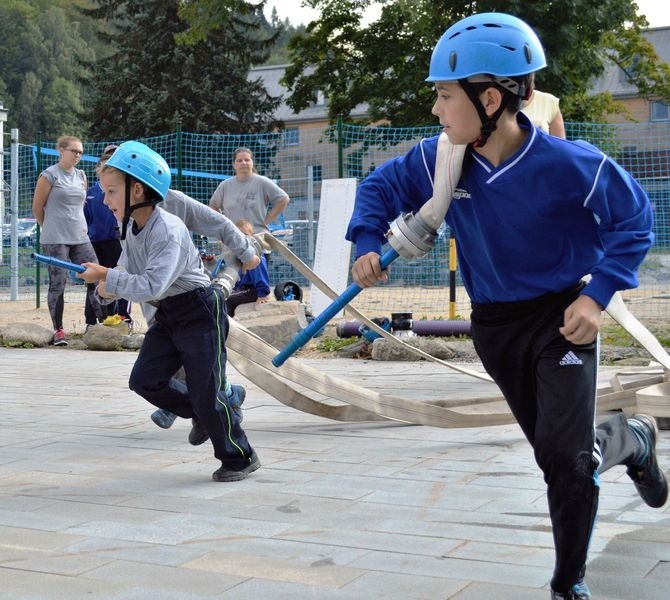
(532, 215)
(254, 284)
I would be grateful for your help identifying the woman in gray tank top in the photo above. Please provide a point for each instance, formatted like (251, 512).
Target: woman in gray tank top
(58, 206)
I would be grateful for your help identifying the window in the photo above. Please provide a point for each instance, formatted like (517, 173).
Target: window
(317, 173)
(291, 136)
(659, 111)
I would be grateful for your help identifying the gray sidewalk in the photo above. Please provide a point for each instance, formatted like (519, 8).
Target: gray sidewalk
(96, 502)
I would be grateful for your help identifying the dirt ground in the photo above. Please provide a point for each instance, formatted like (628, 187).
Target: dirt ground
(25, 311)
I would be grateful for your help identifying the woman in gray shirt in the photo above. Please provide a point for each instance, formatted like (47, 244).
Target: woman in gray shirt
(58, 206)
(249, 195)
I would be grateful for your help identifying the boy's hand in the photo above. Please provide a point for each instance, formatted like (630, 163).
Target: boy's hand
(581, 321)
(251, 265)
(367, 271)
(102, 292)
(93, 272)
(262, 299)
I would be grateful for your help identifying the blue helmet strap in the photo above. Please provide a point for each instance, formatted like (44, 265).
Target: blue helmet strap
(129, 209)
(489, 124)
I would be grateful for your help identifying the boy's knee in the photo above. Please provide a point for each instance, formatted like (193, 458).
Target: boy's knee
(137, 382)
(560, 464)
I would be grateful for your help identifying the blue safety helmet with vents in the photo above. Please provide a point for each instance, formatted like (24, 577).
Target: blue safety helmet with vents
(488, 43)
(145, 165)
(492, 48)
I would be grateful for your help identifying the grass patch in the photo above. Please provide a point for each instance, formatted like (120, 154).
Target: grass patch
(612, 334)
(332, 344)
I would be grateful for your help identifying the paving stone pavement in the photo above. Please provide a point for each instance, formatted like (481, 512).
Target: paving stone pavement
(96, 502)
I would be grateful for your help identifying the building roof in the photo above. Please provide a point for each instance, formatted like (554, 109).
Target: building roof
(271, 76)
(613, 79)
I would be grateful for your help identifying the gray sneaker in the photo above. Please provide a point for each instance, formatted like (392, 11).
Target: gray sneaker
(579, 591)
(648, 477)
(163, 418)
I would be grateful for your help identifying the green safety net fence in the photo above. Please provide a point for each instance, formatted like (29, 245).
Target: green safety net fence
(299, 159)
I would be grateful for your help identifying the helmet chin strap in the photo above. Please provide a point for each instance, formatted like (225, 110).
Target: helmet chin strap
(489, 124)
(129, 209)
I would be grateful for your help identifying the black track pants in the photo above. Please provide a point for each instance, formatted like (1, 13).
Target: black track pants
(550, 385)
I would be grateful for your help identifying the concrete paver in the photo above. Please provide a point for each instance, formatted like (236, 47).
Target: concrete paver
(97, 502)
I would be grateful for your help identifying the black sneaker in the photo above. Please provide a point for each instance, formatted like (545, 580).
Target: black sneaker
(198, 434)
(579, 591)
(225, 474)
(648, 477)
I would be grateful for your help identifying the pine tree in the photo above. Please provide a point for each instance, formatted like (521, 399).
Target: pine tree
(150, 80)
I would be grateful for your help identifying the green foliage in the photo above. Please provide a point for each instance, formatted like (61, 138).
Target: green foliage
(279, 55)
(42, 53)
(144, 88)
(637, 58)
(612, 334)
(333, 344)
(385, 63)
(17, 344)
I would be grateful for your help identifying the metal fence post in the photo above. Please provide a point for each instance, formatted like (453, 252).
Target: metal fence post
(179, 156)
(340, 148)
(14, 202)
(38, 270)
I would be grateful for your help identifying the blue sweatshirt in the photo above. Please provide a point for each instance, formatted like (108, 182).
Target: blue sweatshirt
(102, 224)
(257, 278)
(549, 215)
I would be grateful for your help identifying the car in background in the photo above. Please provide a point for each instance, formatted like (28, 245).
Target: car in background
(26, 233)
(286, 231)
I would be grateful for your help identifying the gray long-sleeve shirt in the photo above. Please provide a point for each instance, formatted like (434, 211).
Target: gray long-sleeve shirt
(157, 262)
(203, 220)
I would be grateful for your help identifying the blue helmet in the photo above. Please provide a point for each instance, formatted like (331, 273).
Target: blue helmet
(486, 44)
(145, 165)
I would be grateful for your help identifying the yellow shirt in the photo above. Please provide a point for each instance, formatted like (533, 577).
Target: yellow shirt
(542, 109)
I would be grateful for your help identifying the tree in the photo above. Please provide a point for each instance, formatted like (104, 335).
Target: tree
(42, 50)
(385, 63)
(158, 73)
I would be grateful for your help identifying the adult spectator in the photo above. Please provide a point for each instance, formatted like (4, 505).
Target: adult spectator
(103, 232)
(58, 206)
(249, 195)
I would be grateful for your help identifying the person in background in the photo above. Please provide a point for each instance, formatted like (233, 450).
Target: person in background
(160, 264)
(254, 284)
(533, 215)
(58, 206)
(103, 232)
(543, 111)
(248, 195)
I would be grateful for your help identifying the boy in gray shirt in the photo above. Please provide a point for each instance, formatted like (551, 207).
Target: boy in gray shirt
(160, 265)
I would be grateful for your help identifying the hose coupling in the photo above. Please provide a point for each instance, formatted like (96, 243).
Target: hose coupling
(410, 236)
